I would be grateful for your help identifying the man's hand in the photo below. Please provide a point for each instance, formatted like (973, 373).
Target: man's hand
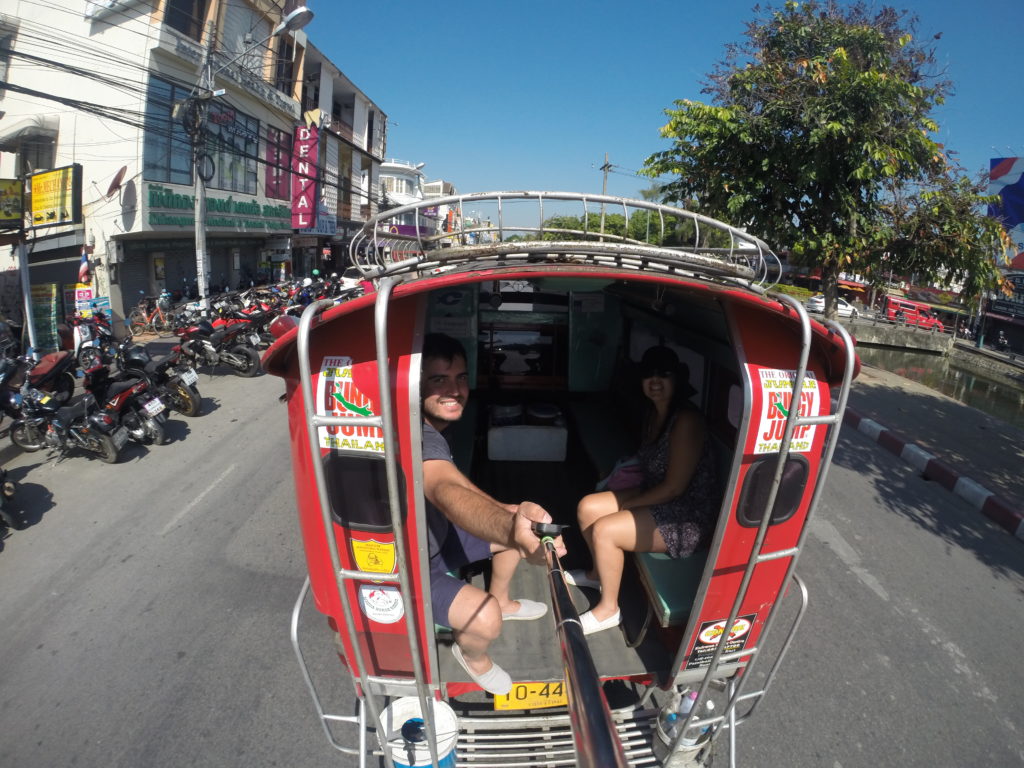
(526, 540)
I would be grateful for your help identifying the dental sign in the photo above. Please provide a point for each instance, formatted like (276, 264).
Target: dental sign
(305, 156)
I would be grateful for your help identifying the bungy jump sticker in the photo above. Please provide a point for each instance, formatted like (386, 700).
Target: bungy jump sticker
(381, 604)
(776, 400)
(336, 395)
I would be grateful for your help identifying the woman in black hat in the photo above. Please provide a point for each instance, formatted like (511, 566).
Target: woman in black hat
(672, 510)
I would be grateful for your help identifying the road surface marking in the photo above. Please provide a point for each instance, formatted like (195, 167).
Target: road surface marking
(195, 502)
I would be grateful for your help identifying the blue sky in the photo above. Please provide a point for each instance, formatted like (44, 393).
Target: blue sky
(531, 95)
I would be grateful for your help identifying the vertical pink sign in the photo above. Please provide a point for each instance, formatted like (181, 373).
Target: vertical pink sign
(304, 176)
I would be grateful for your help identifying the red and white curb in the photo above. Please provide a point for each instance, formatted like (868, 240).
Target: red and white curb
(977, 496)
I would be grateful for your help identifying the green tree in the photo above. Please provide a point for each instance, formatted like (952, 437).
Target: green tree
(816, 117)
(941, 233)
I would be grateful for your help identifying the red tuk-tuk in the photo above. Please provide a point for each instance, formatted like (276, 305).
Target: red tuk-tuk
(553, 320)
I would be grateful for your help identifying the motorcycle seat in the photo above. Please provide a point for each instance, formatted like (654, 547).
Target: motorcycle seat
(117, 387)
(69, 413)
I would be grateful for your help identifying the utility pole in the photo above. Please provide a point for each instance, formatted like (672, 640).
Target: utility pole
(604, 190)
(198, 154)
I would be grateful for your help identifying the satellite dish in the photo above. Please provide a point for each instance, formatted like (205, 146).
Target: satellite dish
(115, 183)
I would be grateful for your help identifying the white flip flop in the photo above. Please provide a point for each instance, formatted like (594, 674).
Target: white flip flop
(495, 680)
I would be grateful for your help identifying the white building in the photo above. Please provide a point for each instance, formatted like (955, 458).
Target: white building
(112, 85)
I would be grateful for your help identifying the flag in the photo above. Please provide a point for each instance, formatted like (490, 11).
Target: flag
(83, 268)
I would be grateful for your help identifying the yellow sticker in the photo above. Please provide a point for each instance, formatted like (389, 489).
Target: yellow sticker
(374, 556)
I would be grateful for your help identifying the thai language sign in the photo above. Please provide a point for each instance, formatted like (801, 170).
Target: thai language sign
(11, 207)
(56, 197)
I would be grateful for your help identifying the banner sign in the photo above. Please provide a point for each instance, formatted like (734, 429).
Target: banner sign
(56, 197)
(305, 156)
(12, 211)
(78, 297)
(44, 315)
(1006, 179)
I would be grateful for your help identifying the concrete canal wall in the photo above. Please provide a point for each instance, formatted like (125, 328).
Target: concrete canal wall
(884, 334)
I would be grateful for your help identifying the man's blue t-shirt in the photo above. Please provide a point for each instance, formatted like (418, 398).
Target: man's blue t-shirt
(435, 447)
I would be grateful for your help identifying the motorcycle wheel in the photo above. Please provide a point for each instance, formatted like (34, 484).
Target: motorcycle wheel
(104, 447)
(185, 399)
(154, 431)
(245, 362)
(89, 357)
(65, 387)
(26, 436)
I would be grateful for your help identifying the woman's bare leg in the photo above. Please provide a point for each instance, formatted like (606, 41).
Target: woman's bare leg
(613, 535)
(592, 508)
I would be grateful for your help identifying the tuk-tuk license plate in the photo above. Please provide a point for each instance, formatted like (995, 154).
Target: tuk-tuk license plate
(120, 437)
(154, 406)
(189, 376)
(533, 696)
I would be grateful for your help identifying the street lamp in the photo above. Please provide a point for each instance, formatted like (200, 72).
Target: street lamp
(202, 165)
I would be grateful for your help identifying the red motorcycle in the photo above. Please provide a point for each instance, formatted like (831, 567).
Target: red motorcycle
(131, 402)
(204, 344)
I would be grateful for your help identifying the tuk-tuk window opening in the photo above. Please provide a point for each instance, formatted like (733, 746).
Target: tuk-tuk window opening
(357, 491)
(757, 484)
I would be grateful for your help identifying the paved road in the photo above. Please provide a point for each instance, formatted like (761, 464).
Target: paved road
(145, 614)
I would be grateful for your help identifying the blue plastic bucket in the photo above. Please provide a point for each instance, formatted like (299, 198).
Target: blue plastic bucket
(402, 721)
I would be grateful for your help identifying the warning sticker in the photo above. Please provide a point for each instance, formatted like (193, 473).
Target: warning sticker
(776, 400)
(374, 556)
(711, 632)
(381, 604)
(336, 395)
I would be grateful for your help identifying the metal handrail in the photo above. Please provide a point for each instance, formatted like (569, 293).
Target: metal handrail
(711, 247)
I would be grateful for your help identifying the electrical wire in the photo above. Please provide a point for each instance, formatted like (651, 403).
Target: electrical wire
(141, 120)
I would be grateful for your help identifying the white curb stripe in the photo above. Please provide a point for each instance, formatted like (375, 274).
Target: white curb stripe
(870, 428)
(916, 457)
(972, 492)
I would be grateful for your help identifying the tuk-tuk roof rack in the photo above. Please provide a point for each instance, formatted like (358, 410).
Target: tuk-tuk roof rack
(446, 232)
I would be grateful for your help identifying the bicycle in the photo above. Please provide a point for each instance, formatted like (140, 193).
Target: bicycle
(152, 314)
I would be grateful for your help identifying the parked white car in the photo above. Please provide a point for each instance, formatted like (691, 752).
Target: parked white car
(817, 304)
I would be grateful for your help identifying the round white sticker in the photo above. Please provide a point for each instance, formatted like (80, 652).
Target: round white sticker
(381, 604)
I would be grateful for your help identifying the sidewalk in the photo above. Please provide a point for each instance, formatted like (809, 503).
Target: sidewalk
(974, 455)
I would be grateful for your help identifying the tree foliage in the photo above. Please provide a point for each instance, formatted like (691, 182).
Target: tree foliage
(817, 118)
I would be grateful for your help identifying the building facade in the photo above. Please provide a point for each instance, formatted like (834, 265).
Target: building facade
(115, 87)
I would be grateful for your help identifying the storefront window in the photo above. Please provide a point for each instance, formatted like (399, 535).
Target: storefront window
(233, 143)
(279, 160)
(167, 150)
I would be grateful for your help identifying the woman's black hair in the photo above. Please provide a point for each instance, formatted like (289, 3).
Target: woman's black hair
(664, 359)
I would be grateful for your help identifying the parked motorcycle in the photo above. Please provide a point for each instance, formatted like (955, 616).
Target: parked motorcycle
(45, 423)
(94, 339)
(130, 401)
(7, 516)
(53, 373)
(202, 344)
(170, 378)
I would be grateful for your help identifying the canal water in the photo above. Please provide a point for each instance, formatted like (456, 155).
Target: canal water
(995, 398)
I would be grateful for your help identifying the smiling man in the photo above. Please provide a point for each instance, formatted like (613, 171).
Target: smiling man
(466, 525)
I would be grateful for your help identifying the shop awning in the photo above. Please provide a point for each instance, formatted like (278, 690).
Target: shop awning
(36, 125)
